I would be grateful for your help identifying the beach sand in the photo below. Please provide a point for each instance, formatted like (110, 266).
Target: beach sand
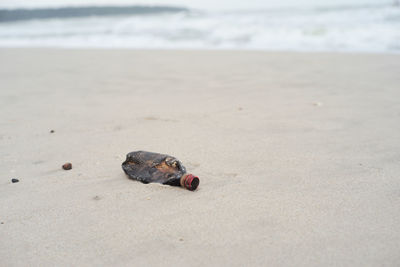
(298, 156)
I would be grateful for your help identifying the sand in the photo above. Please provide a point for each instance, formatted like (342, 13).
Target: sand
(298, 156)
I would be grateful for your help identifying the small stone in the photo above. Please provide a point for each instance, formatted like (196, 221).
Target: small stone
(96, 198)
(317, 104)
(14, 180)
(52, 131)
(181, 239)
(2, 222)
(67, 166)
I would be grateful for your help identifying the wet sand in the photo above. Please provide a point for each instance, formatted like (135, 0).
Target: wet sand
(298, 156)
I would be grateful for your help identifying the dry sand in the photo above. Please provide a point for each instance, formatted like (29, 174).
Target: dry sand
(298, 155)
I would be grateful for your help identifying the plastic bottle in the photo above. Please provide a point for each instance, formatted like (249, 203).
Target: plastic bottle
(149, 167)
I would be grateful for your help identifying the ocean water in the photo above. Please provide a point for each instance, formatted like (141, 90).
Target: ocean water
(359, 28)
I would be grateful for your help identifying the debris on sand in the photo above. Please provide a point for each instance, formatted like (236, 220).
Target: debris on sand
(14, 180)
(67, 166)
(149, 167)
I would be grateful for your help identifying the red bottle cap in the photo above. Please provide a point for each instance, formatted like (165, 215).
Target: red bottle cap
(191, 182)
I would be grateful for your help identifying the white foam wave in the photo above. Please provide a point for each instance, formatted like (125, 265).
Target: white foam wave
(369, 29)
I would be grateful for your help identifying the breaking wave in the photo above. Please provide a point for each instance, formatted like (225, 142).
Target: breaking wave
(356, 28)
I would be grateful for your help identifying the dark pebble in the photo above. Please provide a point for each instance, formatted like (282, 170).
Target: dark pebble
(52, 131)
(67, 166)
(14, 180)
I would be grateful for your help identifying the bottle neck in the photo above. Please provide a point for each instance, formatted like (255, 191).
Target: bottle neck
(183, 178)
(189, 181)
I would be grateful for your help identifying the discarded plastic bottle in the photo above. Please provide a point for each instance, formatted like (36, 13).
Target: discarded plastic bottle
(149, 167)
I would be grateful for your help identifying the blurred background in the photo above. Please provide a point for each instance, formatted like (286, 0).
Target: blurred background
(285, 25)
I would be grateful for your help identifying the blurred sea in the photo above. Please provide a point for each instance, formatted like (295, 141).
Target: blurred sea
(373, 28)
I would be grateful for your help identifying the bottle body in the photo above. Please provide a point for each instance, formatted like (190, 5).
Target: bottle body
(149, 167)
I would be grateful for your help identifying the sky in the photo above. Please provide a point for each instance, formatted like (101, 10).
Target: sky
(202, 4)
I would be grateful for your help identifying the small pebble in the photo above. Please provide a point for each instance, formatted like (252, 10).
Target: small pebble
(52, 131)
(67, 166)
(181, 239)
(317, 104)
(14, 180)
